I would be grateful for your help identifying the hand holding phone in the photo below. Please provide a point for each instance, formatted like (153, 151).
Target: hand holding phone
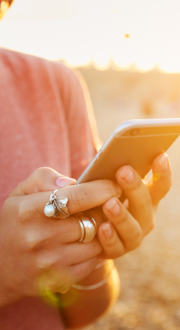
(132, 150)
(136, 143)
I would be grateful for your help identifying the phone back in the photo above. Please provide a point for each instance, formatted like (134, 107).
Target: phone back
(136, 143)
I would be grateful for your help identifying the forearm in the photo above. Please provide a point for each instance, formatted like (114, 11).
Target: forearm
(98, 292)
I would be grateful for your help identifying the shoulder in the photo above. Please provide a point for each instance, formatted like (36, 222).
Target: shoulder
(67, 76)
(37, 75)
(20, 63)
(36, 69)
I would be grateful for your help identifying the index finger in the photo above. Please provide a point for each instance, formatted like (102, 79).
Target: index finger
(81, 197)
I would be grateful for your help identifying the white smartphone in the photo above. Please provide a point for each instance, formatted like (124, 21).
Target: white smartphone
(136, 143)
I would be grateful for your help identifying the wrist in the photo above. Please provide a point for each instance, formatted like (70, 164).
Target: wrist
(90, 301)
(98, 275)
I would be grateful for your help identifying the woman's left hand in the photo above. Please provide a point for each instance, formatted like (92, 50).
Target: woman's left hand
(131, 221)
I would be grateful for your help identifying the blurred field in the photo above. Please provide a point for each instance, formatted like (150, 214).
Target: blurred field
(150, 276)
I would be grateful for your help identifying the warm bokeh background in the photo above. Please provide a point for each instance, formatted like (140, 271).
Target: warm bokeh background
(139, 33)
(128, 52)
(150, 276)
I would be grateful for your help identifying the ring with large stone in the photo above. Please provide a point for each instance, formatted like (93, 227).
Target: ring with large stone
(88, 227)
(56, 207)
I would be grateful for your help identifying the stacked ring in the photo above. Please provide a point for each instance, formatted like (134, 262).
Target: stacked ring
(88, 227)
(57, 208)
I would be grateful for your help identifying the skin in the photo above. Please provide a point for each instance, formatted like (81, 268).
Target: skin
(39, 253)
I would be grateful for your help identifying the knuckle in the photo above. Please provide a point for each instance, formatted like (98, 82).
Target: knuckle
(38, 176)
(136, 245)
(114, 248)
(122, 218)
(44, 263)
(32, 241)
(26, 210)
(41, 172)
(136, 234)
(112, 243)
(116, 252)
(139, 185)
(78, 195)
(110, 188)
(23, 212)
(82, 270)
(135, 239)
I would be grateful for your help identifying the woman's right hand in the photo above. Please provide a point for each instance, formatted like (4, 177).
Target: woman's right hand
(39, 253)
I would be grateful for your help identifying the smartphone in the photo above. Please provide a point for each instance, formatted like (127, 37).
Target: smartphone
(134, 142)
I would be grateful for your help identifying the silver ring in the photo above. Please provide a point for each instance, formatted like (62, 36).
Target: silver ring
(88, 228)
(56, 207)
(82, 230)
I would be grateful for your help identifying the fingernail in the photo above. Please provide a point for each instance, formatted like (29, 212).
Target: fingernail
(113, 207)
(106, 228)
(126, 173)
(64, 181)
(163, 162)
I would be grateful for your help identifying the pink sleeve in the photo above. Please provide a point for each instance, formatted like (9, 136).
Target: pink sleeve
(81, 140)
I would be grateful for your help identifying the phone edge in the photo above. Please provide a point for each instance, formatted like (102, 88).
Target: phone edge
(123, 127)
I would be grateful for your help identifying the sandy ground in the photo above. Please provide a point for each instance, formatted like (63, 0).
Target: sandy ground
(150, 276)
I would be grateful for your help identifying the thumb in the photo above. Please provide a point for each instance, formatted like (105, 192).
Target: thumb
(42, 179)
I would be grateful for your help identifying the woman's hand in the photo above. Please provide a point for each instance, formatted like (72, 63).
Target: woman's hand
(131, 221)
(124, 232)
(39, 253)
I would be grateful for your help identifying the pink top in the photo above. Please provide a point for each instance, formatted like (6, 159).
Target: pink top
(44, 122)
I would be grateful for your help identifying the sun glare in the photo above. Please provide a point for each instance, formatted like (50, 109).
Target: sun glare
(140, 33)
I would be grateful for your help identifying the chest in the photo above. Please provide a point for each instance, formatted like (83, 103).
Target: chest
(33, 133)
